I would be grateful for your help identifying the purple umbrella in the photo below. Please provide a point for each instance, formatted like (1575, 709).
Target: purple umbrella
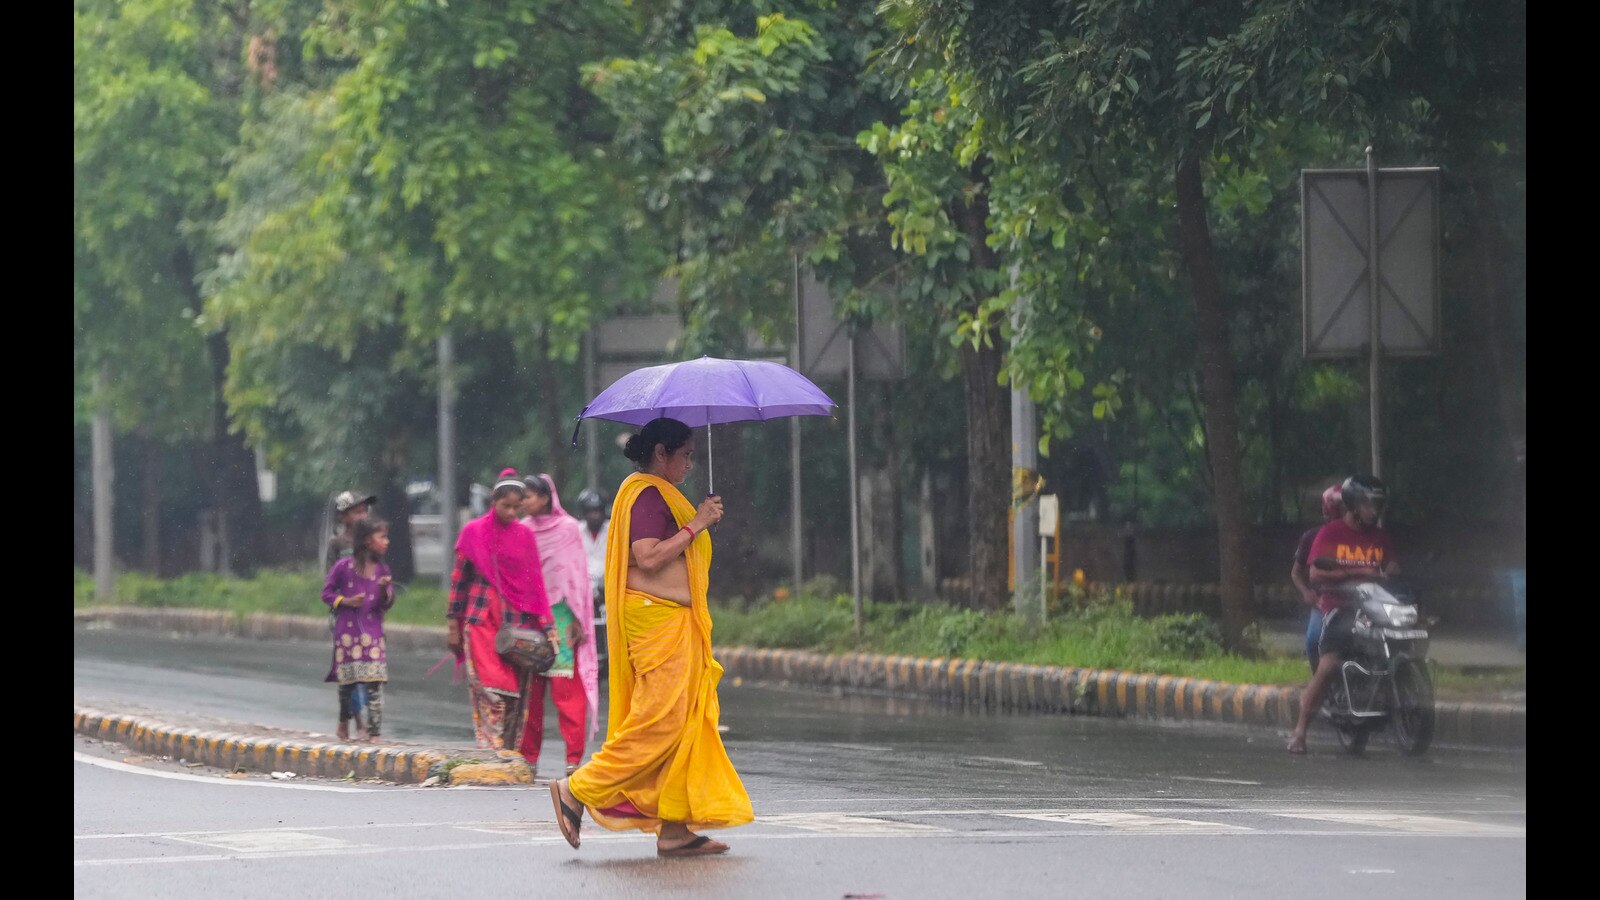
(708, 391)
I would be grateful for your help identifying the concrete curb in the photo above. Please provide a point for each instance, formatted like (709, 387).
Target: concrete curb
(231, 750)
(234, 749)
(1098, 692)
(1013, 686)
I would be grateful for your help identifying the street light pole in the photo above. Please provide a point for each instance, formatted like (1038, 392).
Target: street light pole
(447, 455)
(1375, 323)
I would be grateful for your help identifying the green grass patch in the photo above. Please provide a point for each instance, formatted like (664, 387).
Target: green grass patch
(286, 592)
(1098, 631)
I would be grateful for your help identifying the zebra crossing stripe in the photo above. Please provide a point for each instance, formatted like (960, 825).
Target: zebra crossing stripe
(841, 823)
(1123, 821)
(1403, 822)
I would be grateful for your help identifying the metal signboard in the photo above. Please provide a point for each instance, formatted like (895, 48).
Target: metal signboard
(1335, 276)
(825, 341)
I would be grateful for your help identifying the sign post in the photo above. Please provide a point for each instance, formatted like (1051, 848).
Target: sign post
(1350, 219)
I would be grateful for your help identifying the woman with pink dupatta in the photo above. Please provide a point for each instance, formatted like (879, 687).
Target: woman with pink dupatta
(497, 574)
(574, 680)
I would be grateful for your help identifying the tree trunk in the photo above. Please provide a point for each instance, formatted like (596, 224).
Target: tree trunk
(988, 430)
(988, 463)
(1498, 337)
(894, 527)
(556, 424)
(232, 479)
(396, 506)
(1221, 413)
(150, 501)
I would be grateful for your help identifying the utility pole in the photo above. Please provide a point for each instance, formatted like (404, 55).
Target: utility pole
(104, 477)
(448, 504)
(591, 453)
(1028, 594)
(1374, 316)
(796, 534)
(855, 489)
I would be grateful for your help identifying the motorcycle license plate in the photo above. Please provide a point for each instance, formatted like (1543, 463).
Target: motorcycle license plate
(1411, 634)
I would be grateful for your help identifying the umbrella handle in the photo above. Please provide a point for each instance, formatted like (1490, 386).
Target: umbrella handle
(711, 471)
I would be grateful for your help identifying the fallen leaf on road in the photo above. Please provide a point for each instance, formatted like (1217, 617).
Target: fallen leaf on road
(133, 759)
(236, 775)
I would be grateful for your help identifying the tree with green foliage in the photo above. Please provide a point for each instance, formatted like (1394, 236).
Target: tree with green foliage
(1183, 83)
(438, 168)
(154, 107)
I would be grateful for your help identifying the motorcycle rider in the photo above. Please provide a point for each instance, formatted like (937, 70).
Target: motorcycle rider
(595, 532)
(1360, 549)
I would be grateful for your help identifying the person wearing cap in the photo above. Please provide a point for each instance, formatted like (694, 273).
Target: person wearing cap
(349, 507)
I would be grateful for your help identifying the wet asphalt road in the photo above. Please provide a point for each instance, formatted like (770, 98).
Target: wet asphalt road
(853, 795)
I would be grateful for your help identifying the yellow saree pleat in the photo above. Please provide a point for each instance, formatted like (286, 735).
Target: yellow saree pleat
(663, 758)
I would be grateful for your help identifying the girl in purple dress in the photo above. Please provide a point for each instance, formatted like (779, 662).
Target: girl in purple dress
(358, 592)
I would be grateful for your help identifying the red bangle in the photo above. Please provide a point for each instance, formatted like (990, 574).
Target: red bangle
(688, 529)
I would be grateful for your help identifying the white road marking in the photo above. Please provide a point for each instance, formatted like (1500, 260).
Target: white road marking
(1012, 762)
(529, 829)
(142, 835)
(1404, 822)
(1213, 780)
(558, 843)
(1125, 821)
(212, 779)
(1371, 871)
(841, 823)
(270, 842)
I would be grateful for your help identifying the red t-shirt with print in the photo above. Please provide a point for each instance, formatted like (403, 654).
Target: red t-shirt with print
(1350, 548)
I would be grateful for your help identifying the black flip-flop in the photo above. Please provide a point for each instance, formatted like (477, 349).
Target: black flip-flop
(565, 818)
(696, 847)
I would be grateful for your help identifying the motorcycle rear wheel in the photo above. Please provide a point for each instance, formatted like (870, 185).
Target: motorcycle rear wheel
(1413, 715)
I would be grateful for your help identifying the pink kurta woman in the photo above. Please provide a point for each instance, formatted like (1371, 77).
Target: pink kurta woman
(574, 681)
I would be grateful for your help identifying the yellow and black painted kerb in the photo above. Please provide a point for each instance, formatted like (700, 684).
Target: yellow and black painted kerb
(306, 758)
(1065, 689)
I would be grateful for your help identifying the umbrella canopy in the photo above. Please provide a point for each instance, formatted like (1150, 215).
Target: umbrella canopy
(709, 391)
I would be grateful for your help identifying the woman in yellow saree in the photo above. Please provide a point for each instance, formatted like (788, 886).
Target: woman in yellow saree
(663, 768)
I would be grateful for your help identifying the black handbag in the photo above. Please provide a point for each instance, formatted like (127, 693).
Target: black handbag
(525, 648)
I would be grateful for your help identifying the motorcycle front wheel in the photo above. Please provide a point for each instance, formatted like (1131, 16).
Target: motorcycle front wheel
(1412, 716)
(1353, 738)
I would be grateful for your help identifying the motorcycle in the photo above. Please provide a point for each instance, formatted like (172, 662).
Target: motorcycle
(1385, 680)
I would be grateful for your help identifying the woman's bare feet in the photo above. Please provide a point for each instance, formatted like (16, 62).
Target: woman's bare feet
(1297, 743)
